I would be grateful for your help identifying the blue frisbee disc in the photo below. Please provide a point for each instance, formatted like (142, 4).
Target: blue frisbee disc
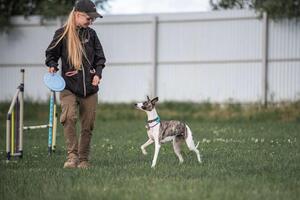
(54, 82)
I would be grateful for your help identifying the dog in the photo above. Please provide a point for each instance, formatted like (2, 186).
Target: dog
(160, 132)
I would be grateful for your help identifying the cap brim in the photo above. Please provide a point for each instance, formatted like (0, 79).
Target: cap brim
(94, 15)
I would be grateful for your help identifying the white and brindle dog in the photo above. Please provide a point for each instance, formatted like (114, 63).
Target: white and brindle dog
(160, 132)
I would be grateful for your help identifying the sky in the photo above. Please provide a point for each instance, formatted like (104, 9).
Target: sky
(156, 6)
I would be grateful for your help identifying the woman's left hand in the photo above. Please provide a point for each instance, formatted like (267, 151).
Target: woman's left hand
(96, 80)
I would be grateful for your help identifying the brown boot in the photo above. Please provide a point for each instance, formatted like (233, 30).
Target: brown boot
(84, 165)
(72, 162)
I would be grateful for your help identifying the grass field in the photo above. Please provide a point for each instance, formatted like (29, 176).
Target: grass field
(247, 154)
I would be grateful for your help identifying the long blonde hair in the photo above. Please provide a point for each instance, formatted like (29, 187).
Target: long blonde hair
(74, 46)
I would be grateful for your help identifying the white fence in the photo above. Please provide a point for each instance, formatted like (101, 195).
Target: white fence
(220, 56)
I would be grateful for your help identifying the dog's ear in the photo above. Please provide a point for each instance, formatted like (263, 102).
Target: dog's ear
(148, 99)
(153, 101)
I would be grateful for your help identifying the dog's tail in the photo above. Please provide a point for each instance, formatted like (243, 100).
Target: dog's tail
(190, 137)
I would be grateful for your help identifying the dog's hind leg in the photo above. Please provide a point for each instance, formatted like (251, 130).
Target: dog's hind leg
(150, 141)
(191, 145)
(176, 146)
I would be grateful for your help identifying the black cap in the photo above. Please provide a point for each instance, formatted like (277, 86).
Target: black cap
(87, 7)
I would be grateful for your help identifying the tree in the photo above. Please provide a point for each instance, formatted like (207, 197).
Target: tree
(44, 8)
(275, 8)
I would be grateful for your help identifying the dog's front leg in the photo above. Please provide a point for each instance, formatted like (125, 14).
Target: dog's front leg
(150, 141)
(157, 147)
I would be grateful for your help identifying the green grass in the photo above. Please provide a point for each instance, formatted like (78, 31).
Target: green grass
(247, 154)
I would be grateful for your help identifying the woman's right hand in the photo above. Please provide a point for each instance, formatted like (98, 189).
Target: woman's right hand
(52, 69)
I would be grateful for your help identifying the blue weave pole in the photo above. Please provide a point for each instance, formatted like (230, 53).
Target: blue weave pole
(50, 123)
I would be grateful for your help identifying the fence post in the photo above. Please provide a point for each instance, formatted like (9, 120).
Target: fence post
(265, 44)
(154, 57)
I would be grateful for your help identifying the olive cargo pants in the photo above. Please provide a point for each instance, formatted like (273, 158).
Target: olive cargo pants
(72, 106)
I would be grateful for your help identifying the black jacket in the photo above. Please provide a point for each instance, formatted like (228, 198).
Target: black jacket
(79, 82)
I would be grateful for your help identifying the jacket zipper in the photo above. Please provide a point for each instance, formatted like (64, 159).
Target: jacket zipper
(83, 78)
(83, 71)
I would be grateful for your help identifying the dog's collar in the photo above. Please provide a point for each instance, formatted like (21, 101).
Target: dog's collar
(157, 119)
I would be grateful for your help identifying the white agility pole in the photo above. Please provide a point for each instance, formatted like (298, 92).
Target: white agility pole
(54, 124)
(21, 112)
(26, 128)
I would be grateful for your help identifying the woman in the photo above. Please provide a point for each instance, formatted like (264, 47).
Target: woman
(82, 62)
